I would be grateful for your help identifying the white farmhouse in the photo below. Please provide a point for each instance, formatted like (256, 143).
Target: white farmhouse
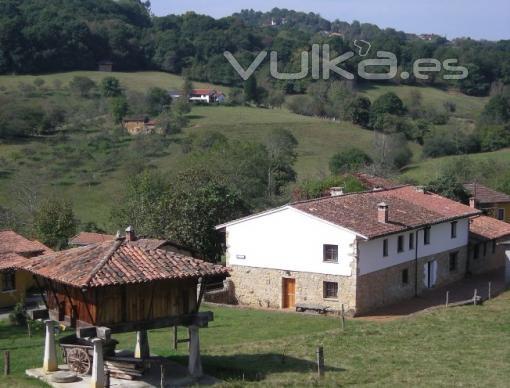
(362, 250)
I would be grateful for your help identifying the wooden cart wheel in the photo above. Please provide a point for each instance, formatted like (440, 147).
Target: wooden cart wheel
(78, 360)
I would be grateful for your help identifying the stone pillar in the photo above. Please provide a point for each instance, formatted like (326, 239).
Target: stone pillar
(142, 349)
(194, 363)
(50, 351)
(98, 376)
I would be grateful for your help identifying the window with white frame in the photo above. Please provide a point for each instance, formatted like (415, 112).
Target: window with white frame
(330, 253)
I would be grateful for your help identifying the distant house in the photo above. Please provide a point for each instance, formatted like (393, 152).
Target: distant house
(486, 251)
(493, 203)
(206, 96)
(140, 125)
(16, 249)
(106, 66)
(361, 250)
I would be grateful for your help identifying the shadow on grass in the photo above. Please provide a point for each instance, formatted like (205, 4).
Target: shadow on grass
(256, 367)
(195, 117)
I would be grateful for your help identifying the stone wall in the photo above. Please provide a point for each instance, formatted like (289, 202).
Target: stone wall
(261, 287)
(488, 262)
(385, 287)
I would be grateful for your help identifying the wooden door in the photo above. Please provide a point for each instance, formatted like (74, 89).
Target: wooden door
(289, 293)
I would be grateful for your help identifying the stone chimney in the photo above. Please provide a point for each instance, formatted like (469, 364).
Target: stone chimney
(382, 213)
(473, 202)
(130, 234)
(336, 191)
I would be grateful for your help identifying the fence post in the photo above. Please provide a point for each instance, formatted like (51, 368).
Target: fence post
(162, 381)
(475, 296)
(7, 363)
(490, 286)
(175, 337)
(343, 317)
(320, 361)
(447, 298)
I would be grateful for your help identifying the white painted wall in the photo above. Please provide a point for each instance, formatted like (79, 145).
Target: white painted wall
(371, 252)
(289, 240)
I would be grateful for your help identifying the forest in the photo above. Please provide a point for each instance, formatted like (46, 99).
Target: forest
(62, 35)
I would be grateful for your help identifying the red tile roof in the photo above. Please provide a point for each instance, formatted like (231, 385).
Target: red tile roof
(11, 242)
(10, 261)
(488, 228)
(408, 208)
(484, 194)
(87, 238)
(119, 262)
(206, 92)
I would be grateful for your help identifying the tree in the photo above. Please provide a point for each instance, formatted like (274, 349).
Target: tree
(349, 160)
(55, 223)
(157, 101)
(388, 103)
(281, 147)
(449, 187)
(110, 87)
(497, 111)
(317, 188)
(187, 87)
(119, 109)
(360, 111)
(81, 86)
(39, 82)
(251, 90)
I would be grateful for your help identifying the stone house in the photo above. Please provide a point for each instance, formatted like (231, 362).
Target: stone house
(141, 125)
(362, 250)
(493, 203)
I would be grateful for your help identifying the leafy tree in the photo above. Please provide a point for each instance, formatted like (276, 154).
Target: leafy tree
(360, 111)
(317, 188)
(449, 187)
(251, 90)
(281, 147)
(349, 160)
(119, 108)
(388, 103)
(81, 86)
(497, 111)
(55, 223)
(157, 101)
(110, 87)
(39, 82)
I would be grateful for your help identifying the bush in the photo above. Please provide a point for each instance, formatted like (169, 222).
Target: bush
(81, 86)
(110, 87)
(18, 315)
(318, 188)
(349, 160)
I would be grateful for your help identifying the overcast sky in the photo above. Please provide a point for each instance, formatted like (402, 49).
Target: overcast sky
(479, 19)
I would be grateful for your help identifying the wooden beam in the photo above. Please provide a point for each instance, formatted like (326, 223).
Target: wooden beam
(41, 291)
(200, 294)
(92, 320)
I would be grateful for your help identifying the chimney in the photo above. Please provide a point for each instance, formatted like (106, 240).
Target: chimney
(130, 234)
(336, 191)
(382, 213)
(472, 202)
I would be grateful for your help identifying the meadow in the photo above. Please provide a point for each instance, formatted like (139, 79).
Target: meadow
(465, 346)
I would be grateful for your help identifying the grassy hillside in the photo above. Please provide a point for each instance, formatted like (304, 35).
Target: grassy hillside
(139, 81)
(429, 169)
(467, 106)
(464, 346)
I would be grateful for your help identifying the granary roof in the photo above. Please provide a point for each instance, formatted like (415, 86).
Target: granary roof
(488, 228)
(484, 194)
(11, 242)
(408, 208)
(87, 238)
(118, 262)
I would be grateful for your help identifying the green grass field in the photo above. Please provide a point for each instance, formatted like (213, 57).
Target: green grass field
(139, 81)
(466, 346)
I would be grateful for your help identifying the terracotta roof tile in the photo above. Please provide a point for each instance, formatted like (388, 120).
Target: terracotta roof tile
(11, 242)
(86, 238)
(407, 208)
(488, 228)
(118, 262)
(484, 194)
(11, 261)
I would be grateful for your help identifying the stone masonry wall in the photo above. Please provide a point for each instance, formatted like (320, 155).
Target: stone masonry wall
(261, 287)
(488, 262)
(385, 287)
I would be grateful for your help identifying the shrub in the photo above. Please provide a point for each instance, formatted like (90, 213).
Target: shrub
(349, 160)
(18, 315)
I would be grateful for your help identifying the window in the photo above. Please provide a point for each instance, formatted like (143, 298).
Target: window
(330, 290)
(411, 241)
(501, 214)
(476, 251)
(493, 246)
(453, 261)
(9, 281)
(454, 229)
(330, 253)
(405, 277)
(426, 236)
(385, 248)
(485, 249)
(400, 247)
